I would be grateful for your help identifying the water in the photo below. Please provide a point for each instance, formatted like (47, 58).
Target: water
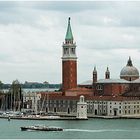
(88, 129)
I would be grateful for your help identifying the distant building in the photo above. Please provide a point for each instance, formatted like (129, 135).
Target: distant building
(45, 82)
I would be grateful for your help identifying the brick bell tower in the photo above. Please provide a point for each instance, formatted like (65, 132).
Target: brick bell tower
(69, 61)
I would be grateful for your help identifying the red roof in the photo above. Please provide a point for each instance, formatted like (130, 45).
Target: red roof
(59, 95)
(80, 89)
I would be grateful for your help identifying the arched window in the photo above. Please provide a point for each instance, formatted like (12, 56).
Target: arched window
(66, 51)
(99, 87)
(73, 50)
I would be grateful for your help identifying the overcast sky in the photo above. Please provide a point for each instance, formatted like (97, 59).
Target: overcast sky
(32, 33)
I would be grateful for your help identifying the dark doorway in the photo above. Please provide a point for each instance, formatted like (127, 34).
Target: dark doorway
(46, 109)
(115, 112)
(68, 111)
(55, 109)
(95, 111)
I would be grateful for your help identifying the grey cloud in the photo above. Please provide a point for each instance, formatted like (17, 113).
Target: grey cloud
(68, 6)
(32, 32)
(116, 14)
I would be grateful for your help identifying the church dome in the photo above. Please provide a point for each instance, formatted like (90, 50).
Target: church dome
(129, 72)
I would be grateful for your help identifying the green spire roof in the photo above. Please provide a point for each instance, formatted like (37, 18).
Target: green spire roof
(69, 35)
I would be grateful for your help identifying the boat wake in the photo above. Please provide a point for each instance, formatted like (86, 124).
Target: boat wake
(31, 130)
(93, 131)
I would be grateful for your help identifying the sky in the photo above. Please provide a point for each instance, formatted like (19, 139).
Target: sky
(32, 33)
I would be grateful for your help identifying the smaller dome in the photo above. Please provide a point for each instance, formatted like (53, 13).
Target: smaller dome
(129, 70)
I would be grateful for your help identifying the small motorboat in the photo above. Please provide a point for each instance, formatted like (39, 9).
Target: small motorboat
(41, 128)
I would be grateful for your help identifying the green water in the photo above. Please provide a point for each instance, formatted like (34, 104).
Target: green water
(88, 129)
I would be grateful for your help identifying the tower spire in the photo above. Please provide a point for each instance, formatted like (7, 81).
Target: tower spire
(129, 62)
(69, 35)
(107, 73)
(94, 75)
(94, 69)
(107, 70)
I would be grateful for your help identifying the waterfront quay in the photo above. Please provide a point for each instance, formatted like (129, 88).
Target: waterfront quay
(38, 118)
(64, 117)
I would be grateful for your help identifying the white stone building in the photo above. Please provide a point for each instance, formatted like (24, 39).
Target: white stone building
(31, 101)
(81, 109)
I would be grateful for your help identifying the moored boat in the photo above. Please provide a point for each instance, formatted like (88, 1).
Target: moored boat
(41, 128)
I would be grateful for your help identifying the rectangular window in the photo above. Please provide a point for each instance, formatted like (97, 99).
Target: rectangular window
(134, 111)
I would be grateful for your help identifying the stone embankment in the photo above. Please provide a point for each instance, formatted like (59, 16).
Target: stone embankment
(65, 117)
(31, 117)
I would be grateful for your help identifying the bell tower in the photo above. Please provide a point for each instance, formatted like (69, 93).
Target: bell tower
(107, 74)
(69, 61)
(94, 75)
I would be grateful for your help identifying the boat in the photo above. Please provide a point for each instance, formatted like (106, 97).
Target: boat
(40, 128)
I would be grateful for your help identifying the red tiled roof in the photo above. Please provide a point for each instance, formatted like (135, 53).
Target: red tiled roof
(50, 92)
(80, 89)
(111, 98)
(58, 95)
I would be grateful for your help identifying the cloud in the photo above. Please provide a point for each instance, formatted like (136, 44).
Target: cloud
(32, 33)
